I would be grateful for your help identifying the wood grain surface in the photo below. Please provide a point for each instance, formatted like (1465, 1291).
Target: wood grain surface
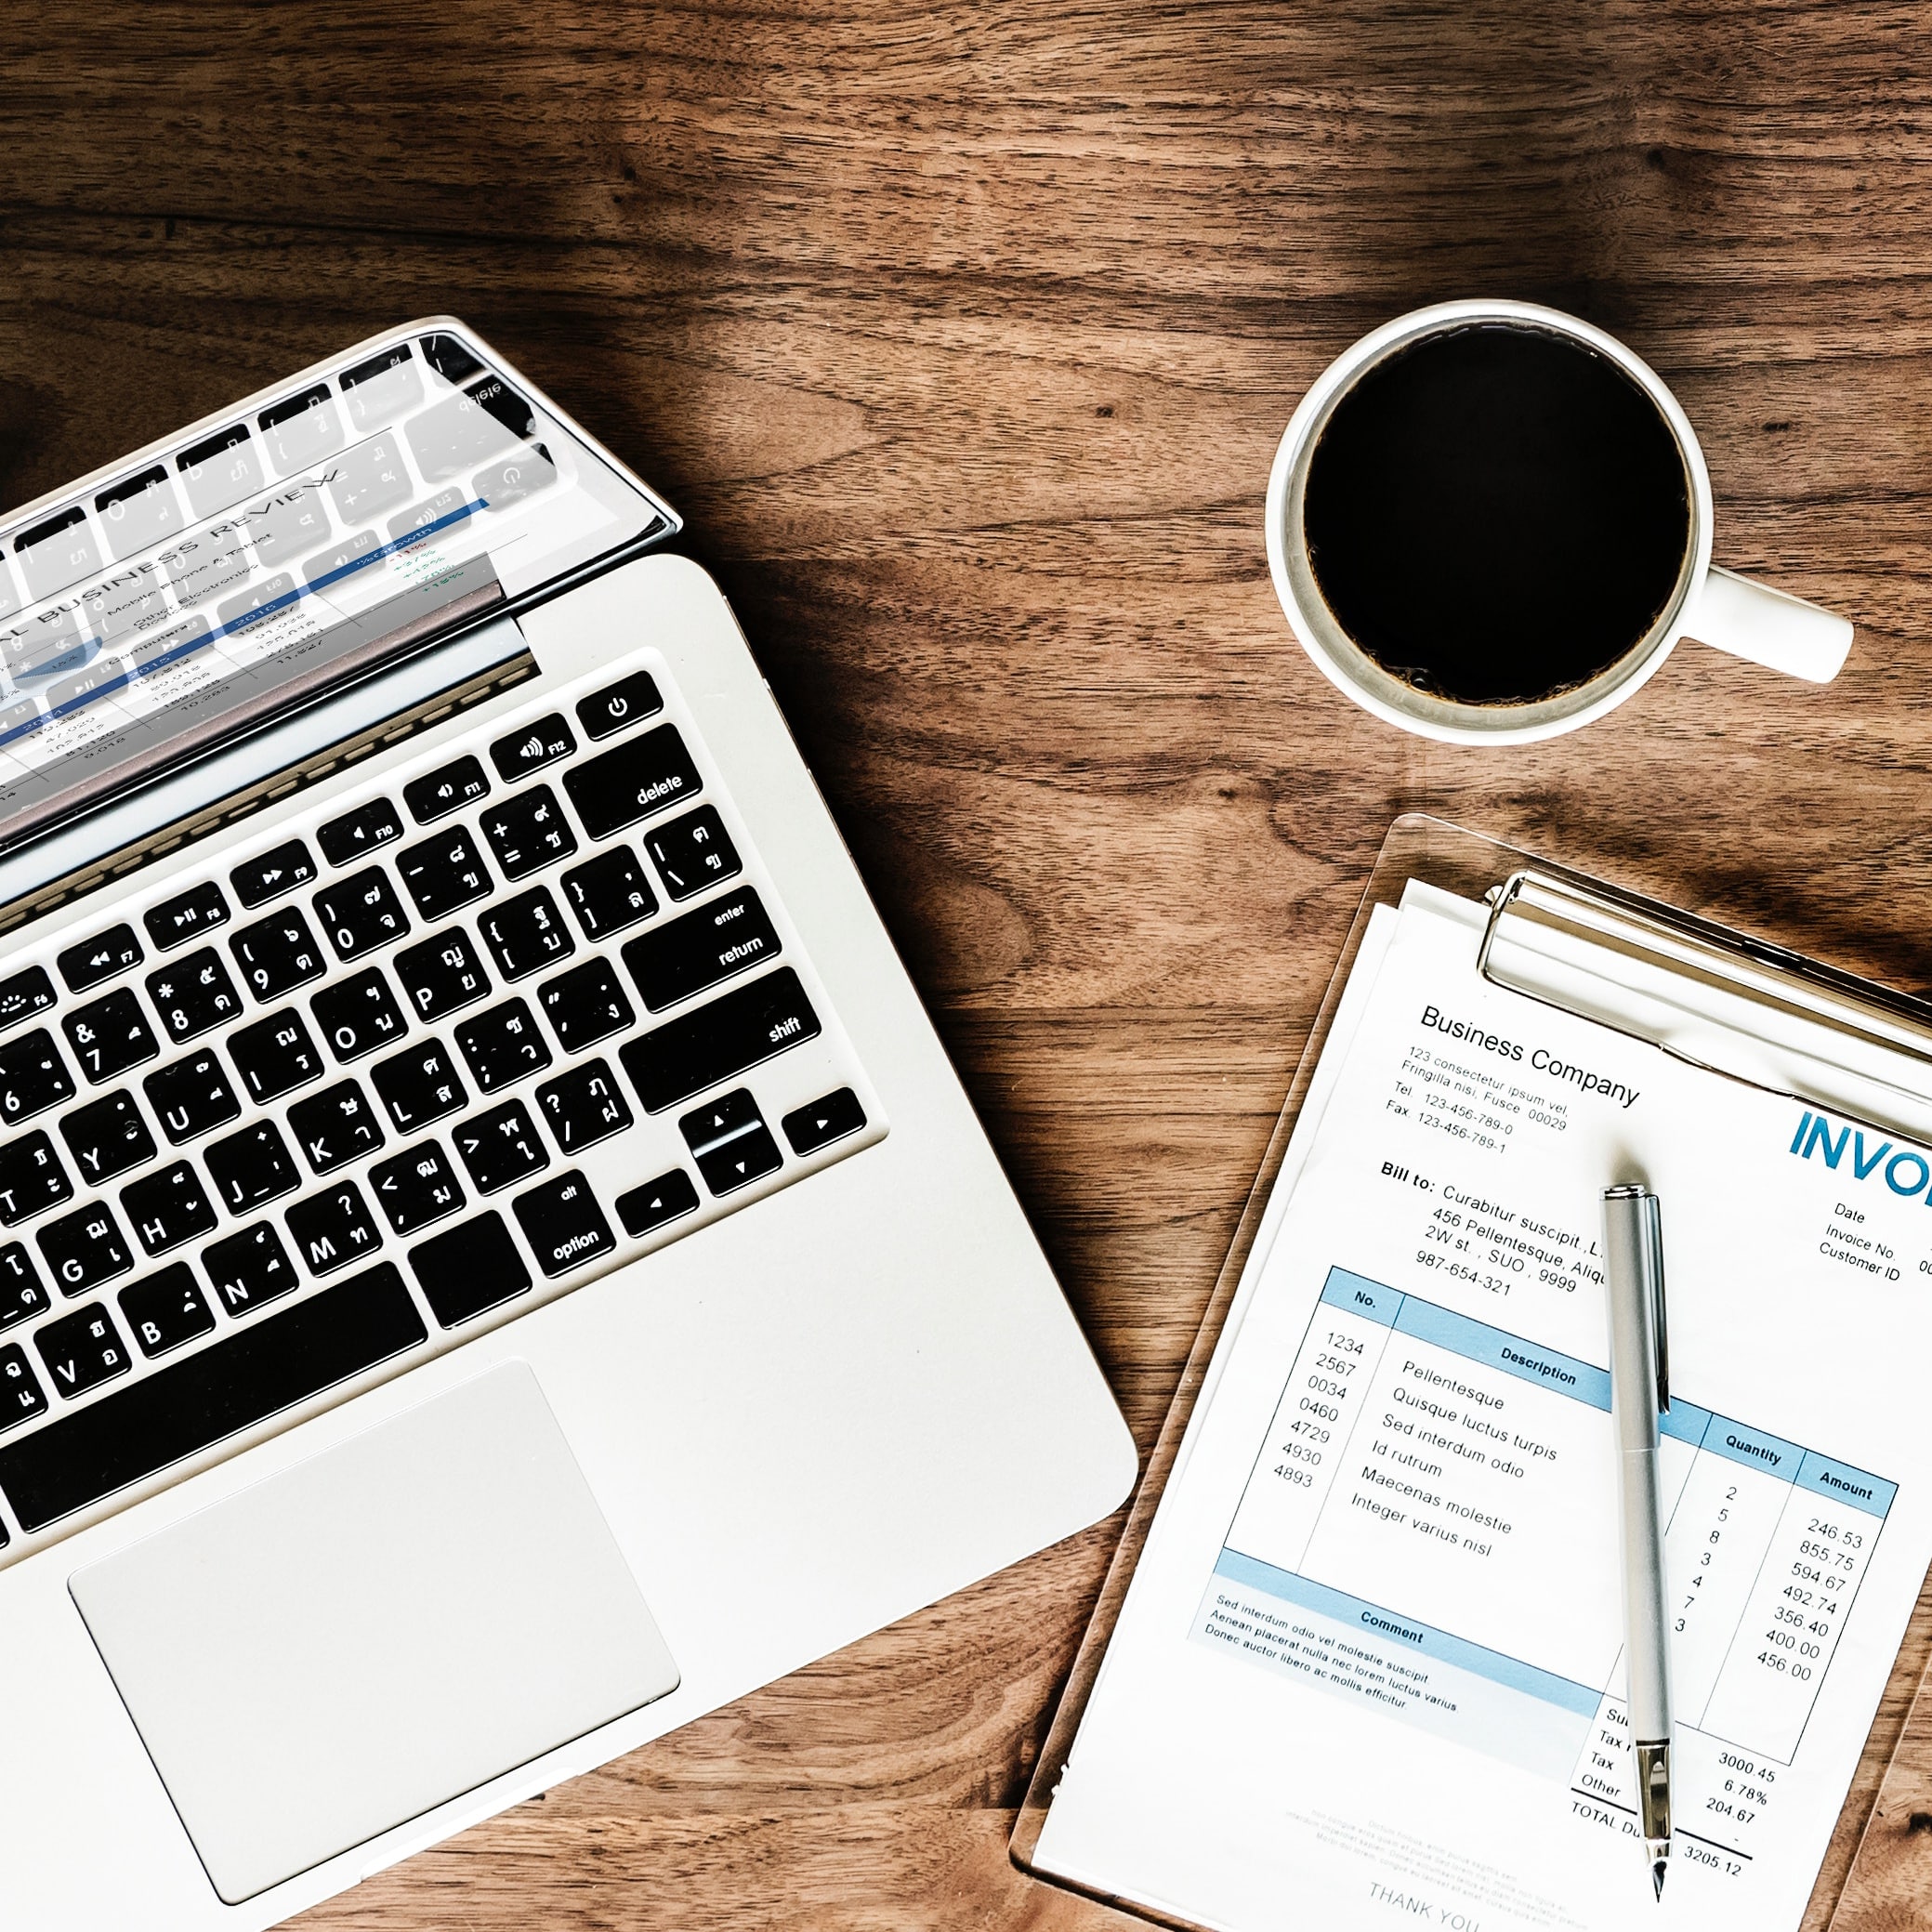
(962, 334)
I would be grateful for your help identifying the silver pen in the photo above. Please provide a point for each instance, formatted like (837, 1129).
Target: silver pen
(1633, 1253)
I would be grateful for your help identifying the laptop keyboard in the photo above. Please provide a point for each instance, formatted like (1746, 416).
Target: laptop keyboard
(397, 1071)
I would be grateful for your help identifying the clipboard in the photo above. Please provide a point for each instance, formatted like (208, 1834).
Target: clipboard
(1835, 1038)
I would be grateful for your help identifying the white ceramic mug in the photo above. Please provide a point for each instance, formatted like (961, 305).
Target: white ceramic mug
(1749, 619)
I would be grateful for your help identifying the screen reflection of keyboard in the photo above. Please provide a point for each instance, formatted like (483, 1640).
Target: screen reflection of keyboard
(347, 1098)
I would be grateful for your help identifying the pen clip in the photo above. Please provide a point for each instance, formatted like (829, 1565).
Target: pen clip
(1653, 1234)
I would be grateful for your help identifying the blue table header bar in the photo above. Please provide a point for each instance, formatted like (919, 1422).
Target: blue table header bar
(1684, 1421)
(1362, 1296)
(1477, 1341)
(1840, 1481)
(1753, 1447)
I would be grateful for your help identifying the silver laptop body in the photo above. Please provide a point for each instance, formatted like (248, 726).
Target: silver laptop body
(493, 1259)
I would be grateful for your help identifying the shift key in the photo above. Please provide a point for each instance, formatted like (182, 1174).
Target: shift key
(719, 1041)
(731, 934)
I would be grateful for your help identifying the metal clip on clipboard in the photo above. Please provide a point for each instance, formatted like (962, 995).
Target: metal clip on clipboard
(1714, 998)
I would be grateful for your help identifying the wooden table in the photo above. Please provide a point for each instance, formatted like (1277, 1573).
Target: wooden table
(964, 335)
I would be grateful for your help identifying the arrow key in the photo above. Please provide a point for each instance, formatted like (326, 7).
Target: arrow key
(809, 1128)
(644, 1209)
(730, 1142)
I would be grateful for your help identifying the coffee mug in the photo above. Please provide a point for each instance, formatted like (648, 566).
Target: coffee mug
(1748, 619)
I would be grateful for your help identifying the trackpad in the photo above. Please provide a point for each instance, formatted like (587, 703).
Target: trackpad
(350, 1643)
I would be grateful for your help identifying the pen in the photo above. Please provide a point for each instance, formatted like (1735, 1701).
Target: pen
(1632, 1251)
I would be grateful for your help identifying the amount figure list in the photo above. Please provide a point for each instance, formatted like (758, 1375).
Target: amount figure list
(1429, 1528)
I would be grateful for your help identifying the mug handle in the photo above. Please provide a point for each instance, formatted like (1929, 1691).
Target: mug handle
(1770, 627)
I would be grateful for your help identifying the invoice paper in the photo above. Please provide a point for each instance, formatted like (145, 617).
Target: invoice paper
(1369, 1671)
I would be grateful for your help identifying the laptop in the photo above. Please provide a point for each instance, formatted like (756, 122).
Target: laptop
(493, 1259)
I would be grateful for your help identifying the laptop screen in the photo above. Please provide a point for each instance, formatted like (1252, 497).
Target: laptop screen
(369, 509)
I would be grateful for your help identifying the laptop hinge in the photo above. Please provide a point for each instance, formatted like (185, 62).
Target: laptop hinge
(262, 769)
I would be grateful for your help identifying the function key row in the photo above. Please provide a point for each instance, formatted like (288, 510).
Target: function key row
(439, 792)
(287, 869)
(375, 824)
(346, 839)
(607, 894)
(115, 950)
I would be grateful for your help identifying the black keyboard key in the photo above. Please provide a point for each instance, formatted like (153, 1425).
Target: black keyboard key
(585, 1004)
(168, 1208)
(447, 789)
(701, 1049)
(358, 1016)
(583, 1106)
(275, 1056)
(444, 874)
(250, 1270)
(24, 995)
(84, 1249)
(277, 953)
(419, 1086)
(335, 1125)
(528, 832)
(346, 839)
(809, 1128)
(81, 1351)
(190, 914)
(21, 1294)
(333, 1229)
(251, 1167)
(100, 958)
(30, 1178)
(563, 1223)
(416, 1189)
(107, 1037)
(107, 1136)
(442, 975)
(192, 1097)
(165, 1310)
(692, 852)
(32, 1076)
(193, 994)
(619, 787)
(231, 1385)
(502, 1045)
(500, 1148)
(472, 1267)
(619, 706)
(698, 950)
(360, 913)
(526, 934)
(645, 1210)
(285, 870)
(20, 1396)
(609, 894)
(730, 1142)
(530, 747)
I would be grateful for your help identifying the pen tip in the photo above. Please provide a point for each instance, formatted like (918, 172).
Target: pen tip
(1657, 1871)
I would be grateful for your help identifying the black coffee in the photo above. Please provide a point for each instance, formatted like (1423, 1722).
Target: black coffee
(1496, 514)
